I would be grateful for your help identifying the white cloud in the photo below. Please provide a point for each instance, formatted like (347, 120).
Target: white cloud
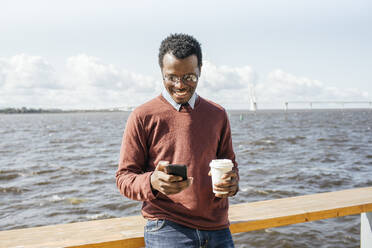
(26, 81)
(281, 86)
(26, 72)
(87, 71)
(226, 85)
(217, 78)
(88, 82)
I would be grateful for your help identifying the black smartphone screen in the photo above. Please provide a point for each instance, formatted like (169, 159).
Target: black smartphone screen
(178, 170)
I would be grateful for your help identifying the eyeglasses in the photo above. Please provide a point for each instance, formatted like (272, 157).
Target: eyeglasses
(186, 79)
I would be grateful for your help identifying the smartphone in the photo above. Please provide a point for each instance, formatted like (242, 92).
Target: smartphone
(178, 170)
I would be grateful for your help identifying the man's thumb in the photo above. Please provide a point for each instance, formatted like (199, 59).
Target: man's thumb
(161, 166)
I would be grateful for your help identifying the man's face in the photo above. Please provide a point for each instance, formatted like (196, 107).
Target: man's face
(182, 90)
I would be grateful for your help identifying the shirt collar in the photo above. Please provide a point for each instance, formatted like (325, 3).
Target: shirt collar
(177, 106)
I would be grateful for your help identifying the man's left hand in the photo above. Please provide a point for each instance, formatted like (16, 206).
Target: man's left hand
(229, 184)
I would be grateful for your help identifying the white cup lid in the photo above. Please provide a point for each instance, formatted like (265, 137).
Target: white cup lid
(221, 163)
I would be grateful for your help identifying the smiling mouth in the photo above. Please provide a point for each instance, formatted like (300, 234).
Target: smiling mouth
(180, 92)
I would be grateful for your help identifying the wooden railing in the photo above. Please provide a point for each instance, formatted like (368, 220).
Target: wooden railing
(128, 231)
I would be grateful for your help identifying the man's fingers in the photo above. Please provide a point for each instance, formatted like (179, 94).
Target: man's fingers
(224, 189)
(222, 195)
(169, 188)
(226, 182)
(230, 174)
(164, 177)
(230, 192)
(166, 183)
(229, 185)
(172, 178)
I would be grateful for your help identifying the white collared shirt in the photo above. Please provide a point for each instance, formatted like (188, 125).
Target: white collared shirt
(177, 106)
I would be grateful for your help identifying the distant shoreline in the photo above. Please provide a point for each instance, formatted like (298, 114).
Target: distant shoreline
(25, 110)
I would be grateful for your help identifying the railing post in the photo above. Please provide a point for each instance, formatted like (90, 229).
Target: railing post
(366, 230)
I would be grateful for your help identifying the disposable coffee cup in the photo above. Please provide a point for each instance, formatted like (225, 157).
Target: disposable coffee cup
(218, 168)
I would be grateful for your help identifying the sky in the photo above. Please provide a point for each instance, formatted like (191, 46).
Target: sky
(104, 54)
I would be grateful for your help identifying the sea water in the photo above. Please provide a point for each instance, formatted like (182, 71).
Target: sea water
(60, 168)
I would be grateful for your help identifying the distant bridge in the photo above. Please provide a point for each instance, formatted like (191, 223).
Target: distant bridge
(327, 102)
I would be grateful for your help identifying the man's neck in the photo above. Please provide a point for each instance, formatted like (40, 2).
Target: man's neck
(177, 106)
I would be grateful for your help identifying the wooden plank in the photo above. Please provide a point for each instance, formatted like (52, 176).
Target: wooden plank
(126, 243)
(273, 213)
(128, 231)
(116, 232)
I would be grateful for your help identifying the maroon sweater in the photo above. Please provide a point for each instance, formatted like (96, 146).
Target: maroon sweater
(157, 131)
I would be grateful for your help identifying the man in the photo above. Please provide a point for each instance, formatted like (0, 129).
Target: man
(179, 127)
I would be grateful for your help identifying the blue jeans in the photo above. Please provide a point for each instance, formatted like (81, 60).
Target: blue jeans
(168, 234)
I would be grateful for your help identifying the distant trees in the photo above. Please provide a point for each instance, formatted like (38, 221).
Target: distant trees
(25, 110)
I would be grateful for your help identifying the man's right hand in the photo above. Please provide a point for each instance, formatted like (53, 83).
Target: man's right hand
(165, 183)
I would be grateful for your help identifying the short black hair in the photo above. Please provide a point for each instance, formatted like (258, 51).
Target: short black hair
(181, 46)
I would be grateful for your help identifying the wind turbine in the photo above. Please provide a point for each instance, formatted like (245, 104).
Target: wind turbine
(252, 96)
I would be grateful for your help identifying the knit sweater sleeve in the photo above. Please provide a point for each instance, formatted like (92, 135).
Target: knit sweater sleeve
(225, 147)
(132, 178)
